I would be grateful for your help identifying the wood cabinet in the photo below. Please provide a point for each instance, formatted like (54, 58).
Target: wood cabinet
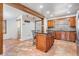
(54, 35)
(68, 36)
(51, 23)
(72, 21)
(1, 28)
(44, 41)
(72, 36)
(63, 35)
(58, 35)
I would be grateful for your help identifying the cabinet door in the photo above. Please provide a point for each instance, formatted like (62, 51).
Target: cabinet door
(41, 42)
(63, 35)
(72, 21)
(48, 43)
(1, 29)
(67, 36)
(54, 35)
(58, 35)
(72, 36)
(51, 23)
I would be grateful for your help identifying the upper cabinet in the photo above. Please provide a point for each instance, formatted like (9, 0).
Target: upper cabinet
(72, 21)
(51, 23)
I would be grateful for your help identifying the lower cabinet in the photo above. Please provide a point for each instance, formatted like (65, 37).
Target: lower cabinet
(68, 36)
(72, 36)
(63, 36)
(58, 35)
(44, 42)
(54, 35)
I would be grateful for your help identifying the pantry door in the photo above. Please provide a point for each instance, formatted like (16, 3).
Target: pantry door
(1, 28)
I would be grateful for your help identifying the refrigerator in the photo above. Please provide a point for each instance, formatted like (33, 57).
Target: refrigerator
(77, 31)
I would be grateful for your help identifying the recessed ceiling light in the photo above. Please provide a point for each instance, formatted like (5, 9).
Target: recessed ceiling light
(68, 12)
(41, 6)
(51, 15)
(69, 6)
(48, 12)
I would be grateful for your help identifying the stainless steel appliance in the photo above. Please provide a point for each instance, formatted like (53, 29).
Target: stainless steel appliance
(77, 31)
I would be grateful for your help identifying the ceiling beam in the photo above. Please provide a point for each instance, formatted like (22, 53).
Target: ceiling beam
(25, 9)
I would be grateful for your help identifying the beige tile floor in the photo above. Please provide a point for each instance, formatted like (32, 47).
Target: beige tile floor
(25, 48)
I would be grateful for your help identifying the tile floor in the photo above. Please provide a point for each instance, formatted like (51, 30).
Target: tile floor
(14, 47)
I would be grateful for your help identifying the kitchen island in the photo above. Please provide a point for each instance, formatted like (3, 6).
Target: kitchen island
(44, 41)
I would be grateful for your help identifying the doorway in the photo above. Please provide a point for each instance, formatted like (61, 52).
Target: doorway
(19, 29)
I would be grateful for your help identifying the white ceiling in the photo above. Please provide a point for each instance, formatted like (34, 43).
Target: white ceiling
(53, 10)
(50, 10)
(10, 13)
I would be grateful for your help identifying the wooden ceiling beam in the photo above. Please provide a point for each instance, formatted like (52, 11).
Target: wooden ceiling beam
(25, 9)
